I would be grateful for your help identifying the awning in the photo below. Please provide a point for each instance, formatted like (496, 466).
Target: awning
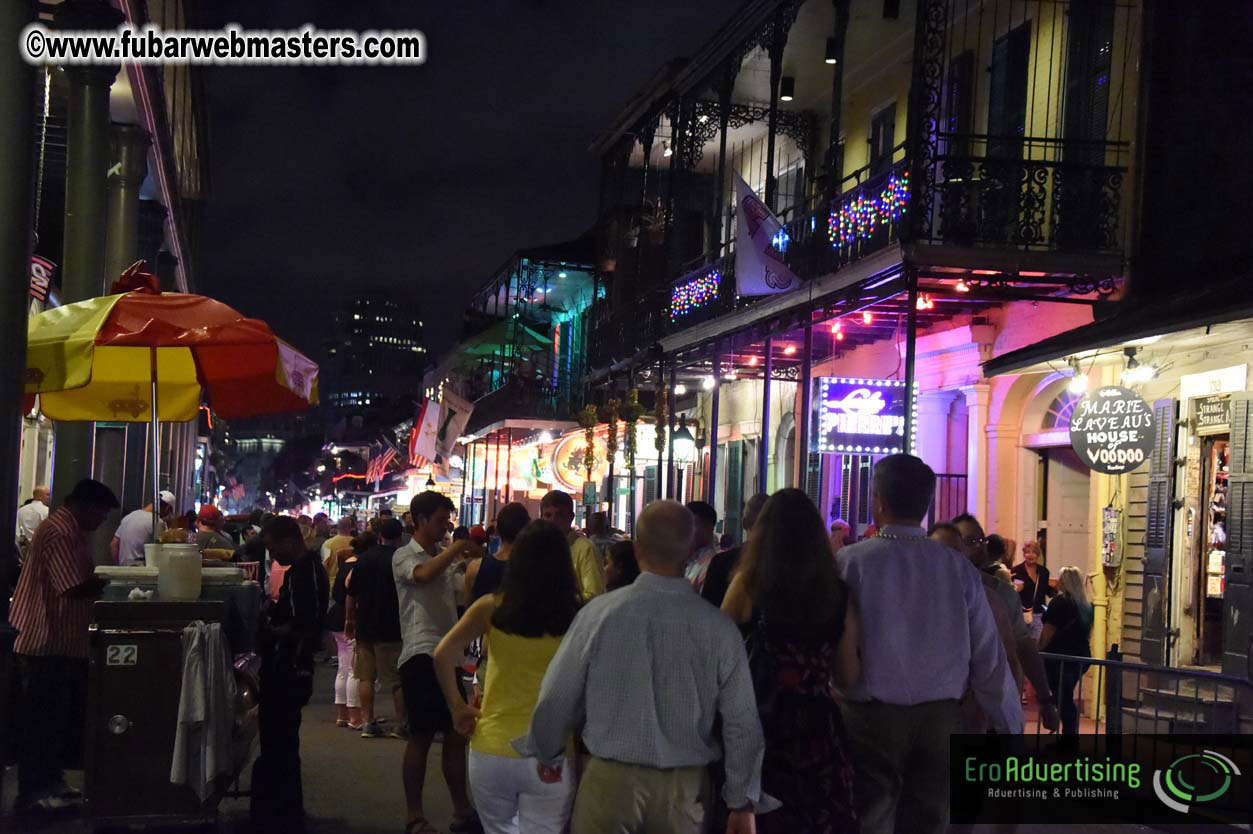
(1196, 306)
(493, 339)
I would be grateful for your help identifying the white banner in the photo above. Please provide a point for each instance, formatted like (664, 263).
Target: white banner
(759, 267)
(422, 438)
(452, 422)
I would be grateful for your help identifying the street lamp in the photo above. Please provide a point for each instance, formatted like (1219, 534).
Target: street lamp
(684, 443)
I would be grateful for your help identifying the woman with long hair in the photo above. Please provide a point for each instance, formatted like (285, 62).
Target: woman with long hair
(522, 626)
(803, 635)
(1067, 628)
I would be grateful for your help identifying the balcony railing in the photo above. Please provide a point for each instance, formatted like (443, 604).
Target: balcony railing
(1035, 194)
(818, 239)
(1032, 194)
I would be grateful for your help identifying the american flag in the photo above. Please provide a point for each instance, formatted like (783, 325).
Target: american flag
(377, 467)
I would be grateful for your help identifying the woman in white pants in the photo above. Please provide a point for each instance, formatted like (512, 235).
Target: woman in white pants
(347, 691)
(522, 627)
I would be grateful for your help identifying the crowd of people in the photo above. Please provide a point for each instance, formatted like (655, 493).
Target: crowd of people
(800, 681)
(803, 681)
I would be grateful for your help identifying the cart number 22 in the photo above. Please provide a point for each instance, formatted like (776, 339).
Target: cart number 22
(121, 655)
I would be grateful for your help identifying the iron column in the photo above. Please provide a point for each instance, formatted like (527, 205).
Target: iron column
(763, 446)
(806, 394)
(911, 344)
(86, 202)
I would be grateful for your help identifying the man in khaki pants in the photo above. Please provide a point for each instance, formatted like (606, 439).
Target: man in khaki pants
(649, 667)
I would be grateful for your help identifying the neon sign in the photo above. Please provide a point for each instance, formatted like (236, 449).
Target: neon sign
(859, 415)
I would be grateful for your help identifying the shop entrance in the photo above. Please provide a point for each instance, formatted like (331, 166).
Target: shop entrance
(1064, 532)
(1210, 573)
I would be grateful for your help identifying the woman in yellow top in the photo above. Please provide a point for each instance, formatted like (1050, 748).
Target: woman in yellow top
(522, 627)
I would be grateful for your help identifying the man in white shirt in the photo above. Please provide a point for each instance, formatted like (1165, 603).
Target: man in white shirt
(428, 611)
(135, 530)
(31, 515)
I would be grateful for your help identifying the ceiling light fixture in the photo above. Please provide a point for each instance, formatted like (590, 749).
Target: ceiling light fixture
(680, 389)
(787, 88)
(866, 317)
(708, 383)
(830, 58)
(836, 327)
(962, 286)
(665, 149)
(790, 350)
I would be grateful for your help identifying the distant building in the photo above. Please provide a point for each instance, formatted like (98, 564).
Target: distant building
(374, 358)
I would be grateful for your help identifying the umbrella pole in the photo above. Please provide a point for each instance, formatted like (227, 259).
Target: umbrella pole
(155, 448)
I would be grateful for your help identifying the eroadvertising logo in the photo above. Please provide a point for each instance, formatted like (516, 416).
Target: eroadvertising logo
(1173, 786)
(1090, 779)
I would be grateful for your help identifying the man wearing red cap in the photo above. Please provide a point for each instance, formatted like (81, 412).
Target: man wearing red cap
(209, 523)
(478, 535)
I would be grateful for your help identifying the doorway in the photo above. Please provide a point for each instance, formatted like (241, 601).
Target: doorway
(1064, 531)
(1210, 573)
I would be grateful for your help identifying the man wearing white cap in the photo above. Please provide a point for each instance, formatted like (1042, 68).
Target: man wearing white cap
(136, 530)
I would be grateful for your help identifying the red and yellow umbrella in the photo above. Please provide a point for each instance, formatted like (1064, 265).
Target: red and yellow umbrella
(95, 360)
(146, 356)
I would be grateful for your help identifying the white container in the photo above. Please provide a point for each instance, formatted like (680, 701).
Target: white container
(179, 575)
(152, 555)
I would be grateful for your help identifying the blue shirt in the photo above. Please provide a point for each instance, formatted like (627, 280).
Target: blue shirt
(927, 633)
(650, 666)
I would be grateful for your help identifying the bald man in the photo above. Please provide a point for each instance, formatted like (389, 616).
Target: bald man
(31, 515)
(650, 666)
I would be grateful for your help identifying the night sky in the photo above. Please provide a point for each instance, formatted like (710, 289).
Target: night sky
(423, 179)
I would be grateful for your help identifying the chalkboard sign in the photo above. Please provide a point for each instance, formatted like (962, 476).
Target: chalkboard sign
(1111, 429)
(1213, 412)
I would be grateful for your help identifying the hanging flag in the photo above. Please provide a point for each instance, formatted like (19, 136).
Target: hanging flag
(759, 241)
(376, 469)
(455, 414)
(422, 439)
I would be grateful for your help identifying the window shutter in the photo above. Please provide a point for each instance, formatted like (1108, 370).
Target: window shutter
(1158, 515)
(735, 489)
(1238, 564)
(813, 478)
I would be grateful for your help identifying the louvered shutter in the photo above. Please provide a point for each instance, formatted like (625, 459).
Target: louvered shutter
(1158, 515)
(735, 490)
(1237, 595)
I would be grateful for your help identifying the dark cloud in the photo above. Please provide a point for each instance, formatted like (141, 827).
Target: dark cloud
(421, 179)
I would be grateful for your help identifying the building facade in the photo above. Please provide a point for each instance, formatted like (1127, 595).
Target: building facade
(955, 182)
(121, 174)
(376, 354)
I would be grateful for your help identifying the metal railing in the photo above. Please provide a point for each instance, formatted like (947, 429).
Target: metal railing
(949, 500)
(1028, 193)
(1127, 698)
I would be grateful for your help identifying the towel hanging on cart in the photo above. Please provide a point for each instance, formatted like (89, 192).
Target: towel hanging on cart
(206, 710)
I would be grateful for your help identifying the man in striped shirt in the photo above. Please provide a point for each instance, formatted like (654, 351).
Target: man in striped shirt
(52, 611)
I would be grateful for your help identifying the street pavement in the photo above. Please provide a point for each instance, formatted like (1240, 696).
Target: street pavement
(352, 785)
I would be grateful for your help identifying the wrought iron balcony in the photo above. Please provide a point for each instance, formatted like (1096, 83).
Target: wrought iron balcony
(1035, 194)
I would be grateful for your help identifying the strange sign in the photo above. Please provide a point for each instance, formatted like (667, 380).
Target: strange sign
(859, 415)
(1111, 430)
(1212, 412)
